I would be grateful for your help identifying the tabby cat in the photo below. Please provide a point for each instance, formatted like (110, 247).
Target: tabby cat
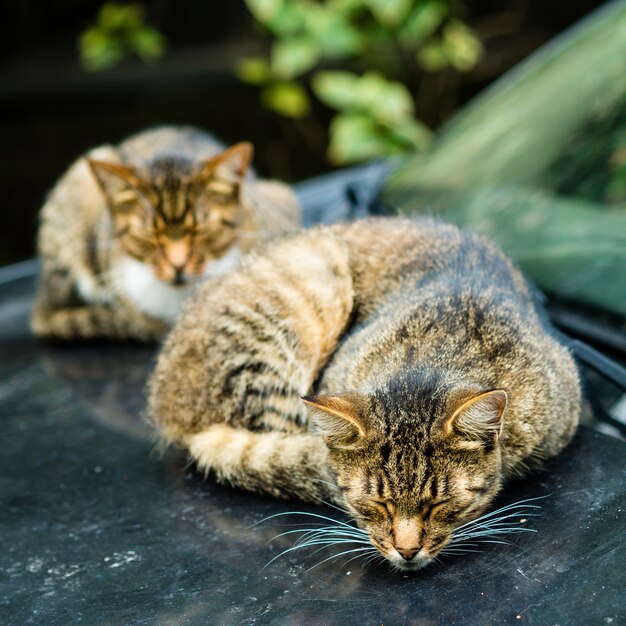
(128, 230)
(398, 368)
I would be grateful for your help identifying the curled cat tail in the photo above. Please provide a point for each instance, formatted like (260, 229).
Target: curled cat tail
(284, 465)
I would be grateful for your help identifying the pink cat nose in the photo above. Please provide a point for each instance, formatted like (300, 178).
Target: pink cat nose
(407, 554)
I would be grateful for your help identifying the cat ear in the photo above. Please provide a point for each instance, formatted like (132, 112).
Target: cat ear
(340, 419)
(115, 180)
(479, 419)
(228, 169)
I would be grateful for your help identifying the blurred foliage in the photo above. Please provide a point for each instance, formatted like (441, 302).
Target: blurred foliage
(359, 58)
(120, 31)
(593, 164)
(538, 164)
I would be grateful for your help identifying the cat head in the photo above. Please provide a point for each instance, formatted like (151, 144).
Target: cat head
(412, 472)
(176, 217)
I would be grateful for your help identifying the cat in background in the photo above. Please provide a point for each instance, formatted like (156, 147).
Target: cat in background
(397, 368)
(129, 230)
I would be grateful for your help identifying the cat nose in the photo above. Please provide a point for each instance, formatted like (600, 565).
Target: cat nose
(179, 276)
(407, 555)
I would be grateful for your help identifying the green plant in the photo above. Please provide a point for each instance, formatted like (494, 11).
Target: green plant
(361, 59)
(120, 31)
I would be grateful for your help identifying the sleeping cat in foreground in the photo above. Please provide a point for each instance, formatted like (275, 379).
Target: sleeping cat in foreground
(397, 368)
(129, 229)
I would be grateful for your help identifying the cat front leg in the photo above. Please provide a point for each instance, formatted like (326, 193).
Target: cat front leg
(92, 321)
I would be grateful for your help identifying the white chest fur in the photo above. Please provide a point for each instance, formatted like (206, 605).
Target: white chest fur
(150, 295)
(156, 298)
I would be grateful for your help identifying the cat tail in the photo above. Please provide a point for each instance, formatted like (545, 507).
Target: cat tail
(283, 465)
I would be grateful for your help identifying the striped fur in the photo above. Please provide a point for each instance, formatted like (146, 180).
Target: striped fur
(429, 378)
(129, 230)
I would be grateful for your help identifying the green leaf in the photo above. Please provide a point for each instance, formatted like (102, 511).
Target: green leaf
(336, 89)
(461, 46)
(289, 99)
(344, 7)
(339, 39)
(432, 56)
(253, 70)
(289, 20)
(293, 57)
(120, 31)
(114, 16)
(389, 12)
(411, 133)
(335, 35)
(264, 10)
(423, 21)
(98, 51)
(384, 99)
(147, 42)
(355, 137)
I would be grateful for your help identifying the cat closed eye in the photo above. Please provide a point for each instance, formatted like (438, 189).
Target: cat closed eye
(372, 510)
(384, 505)
(433, 508)
(125, 196)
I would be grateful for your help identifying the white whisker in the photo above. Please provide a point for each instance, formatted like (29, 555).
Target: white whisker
(376, 558)
(509, 507)
(358, 556)
(486, 528)
(495, 522)
(454, 551)
(322, 532)
(336, 556)
(331, 536)
(331, 530)
(305, 513)
(323, 536)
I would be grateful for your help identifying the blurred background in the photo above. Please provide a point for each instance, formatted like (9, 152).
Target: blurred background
(314, 85)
